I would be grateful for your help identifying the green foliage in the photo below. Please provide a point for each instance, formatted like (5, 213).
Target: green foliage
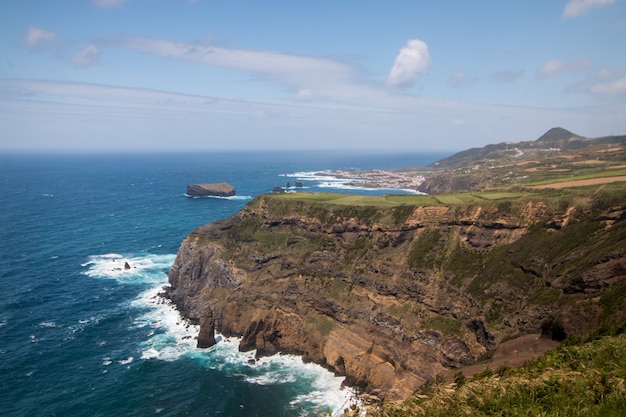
(401, 213)
(246, 228)
(606, 198)
(358, 249)
(573, 380)
(592, 175)
(338, 288)
(272, 241)
(322, 324)
(420, 255)
(612, 302)
(494, 313)
(446, 325)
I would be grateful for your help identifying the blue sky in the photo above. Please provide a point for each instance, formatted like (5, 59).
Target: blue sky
(414, 75)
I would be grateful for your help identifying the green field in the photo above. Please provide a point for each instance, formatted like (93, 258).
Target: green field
(450, 199)
(594, 175)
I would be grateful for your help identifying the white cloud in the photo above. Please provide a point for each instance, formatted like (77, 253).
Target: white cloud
(552, 67)
(286, 67)
(107, 3)
(73, 92)
(575, 8)
(556, 67)
(609, 83)
(86, 56)
(116, 117)
(36, 37)
(305, 77)
(412, 60)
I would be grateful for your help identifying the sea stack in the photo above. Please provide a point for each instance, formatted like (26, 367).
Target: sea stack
(222, 189)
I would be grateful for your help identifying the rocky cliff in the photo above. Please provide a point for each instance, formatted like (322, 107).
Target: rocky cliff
(221, 189)
(394, 292)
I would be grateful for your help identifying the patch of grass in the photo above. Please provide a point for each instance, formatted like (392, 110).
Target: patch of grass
(358, 249)
(338, 288)
(420, 254)
(322, 324)
(604, 199)
(270, 240)
(446, 325)
(500, 195)
(401, 213)
(246, 228)
(592, 175)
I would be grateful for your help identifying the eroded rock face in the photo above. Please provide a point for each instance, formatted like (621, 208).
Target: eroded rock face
(221, 189)
(206, 336)
(389, 301)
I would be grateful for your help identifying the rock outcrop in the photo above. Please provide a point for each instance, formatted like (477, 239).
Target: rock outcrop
(221, 189)
(393, 296)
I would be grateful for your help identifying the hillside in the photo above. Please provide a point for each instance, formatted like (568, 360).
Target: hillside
(396, 291)
(557, 154)
(575, 380)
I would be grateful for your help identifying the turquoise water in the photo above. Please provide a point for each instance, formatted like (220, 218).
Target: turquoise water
(82, 336)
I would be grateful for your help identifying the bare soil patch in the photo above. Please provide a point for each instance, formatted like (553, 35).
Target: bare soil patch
(512, 353)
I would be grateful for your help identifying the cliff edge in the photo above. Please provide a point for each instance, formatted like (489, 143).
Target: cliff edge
(395, 291)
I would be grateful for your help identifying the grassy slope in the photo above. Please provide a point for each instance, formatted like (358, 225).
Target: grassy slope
(574, 380)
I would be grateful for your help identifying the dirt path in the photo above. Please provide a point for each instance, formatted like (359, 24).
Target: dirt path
(511, 353)
(582, 183)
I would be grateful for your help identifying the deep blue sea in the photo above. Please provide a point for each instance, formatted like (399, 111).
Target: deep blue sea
(82, 336)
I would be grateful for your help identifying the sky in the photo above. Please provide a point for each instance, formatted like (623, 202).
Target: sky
(204, 75)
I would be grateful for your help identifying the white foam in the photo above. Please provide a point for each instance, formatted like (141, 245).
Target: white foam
(171, 337)
(326, 179)
(232, 197)
(350, 186)
(126, 361)
(138, 268)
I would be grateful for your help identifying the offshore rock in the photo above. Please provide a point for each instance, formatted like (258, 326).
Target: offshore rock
(206, 336)
(221, 189)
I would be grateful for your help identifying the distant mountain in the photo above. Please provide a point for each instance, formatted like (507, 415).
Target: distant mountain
(558, 152)
(558, 134)
(557, 137)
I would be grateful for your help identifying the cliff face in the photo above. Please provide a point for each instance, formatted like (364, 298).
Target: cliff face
(221, 189)
(394, 295)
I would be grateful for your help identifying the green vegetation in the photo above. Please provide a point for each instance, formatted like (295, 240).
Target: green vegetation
(446, 325)
(246, 229)
(321, 324)
(422, 251)
(573, 380)
(285, 202)
(358, 249)
(586, 176)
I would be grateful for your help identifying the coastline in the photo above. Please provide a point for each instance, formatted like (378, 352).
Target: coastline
(405, 180)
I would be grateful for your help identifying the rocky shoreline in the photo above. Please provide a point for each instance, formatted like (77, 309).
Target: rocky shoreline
(405, 179)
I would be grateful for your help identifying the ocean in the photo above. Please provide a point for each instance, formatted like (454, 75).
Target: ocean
(80, 335)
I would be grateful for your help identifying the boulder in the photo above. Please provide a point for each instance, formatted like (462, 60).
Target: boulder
(222, 189)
